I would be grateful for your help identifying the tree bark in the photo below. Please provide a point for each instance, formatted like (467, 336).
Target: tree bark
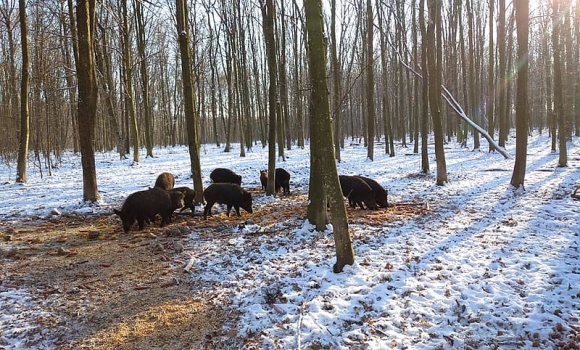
(559, 112)
(336, 91)
(370, 87)
(192, 122)
(434, 68)
(87, 92)
(142, 50)
(491, 77)
(268, 15)
(24, 102)
(320, 117)
(502, 90)
(522, 21)
(128, 82)
(424, 93)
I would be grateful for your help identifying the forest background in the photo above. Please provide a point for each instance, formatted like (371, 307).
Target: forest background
(374, 48)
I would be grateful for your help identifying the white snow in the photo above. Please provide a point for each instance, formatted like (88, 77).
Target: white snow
(484, 267)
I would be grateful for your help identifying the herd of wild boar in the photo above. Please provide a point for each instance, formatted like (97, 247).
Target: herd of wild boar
(163, 199)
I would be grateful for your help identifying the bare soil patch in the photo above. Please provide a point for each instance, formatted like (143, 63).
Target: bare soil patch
(103, 289)
(114, 291)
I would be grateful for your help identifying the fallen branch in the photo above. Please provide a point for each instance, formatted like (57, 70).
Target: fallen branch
(452, 102)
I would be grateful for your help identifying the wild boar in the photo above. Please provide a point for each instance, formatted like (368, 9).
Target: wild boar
(145, 205)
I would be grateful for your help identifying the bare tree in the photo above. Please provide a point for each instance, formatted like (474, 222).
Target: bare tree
(424, 92)
(128, 82)
(268, 15)
(559, 112)
(191, 118)
(88, 96)
(502, 75)
(336, 90)
(24, 89)
(320, 119)
(141, 48)
(522, 22)
(434, 54)
(491, 76)
(370, 81)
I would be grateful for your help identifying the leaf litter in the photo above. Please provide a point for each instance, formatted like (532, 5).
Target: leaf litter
(472, 264)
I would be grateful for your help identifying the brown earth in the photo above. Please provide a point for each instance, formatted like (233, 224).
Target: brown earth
(104, 289)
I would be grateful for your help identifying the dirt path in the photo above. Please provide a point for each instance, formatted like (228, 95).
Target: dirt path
(100, 289)
(90, 286)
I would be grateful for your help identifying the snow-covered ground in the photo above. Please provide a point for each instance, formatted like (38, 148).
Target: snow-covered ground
(483, 267)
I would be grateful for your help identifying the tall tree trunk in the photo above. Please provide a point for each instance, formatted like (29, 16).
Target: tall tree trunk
(142, 48)
(522, 22)
(370, 87)
(386, 110)
(128, 82)
(88, 95)
(434, 54)
(490, 76)
(297, 88)
(336, 91)
(191, 119)
(473, 71)
(503, 81)
(104, 65)
(268, 15)
(320, 119)
(284, 79)
(424, 93)
(559, 112)
(24, 89)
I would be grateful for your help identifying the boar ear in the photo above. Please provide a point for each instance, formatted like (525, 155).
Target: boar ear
(117, 212)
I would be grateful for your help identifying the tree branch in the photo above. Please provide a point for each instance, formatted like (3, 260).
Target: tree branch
(452, 102)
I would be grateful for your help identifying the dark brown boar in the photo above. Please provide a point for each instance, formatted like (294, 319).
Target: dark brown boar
(358, 192)
(222, 175)
(264, 178)
(189, 198)
(165, 181)
(282, 181)
(226, 193)
(145, 205)
(378, 190)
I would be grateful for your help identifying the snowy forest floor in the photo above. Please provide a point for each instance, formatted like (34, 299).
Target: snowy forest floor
(469, 265)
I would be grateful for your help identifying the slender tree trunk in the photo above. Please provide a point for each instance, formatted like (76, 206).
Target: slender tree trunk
(473, 71)
(386, 115)
(424, 93)
(522, 21)
(268, 15)
(285, 116)
(434, 53)
(503, 81)
(191, 119)
(88, 95)
(141, 47)
(24, 102)
(128, 67)
(336, 91)
(103, 61)
(320, 118)
(559, 111)
(370, 87)
(490, 76)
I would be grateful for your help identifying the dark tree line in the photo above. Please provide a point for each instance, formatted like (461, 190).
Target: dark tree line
(469, 47)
